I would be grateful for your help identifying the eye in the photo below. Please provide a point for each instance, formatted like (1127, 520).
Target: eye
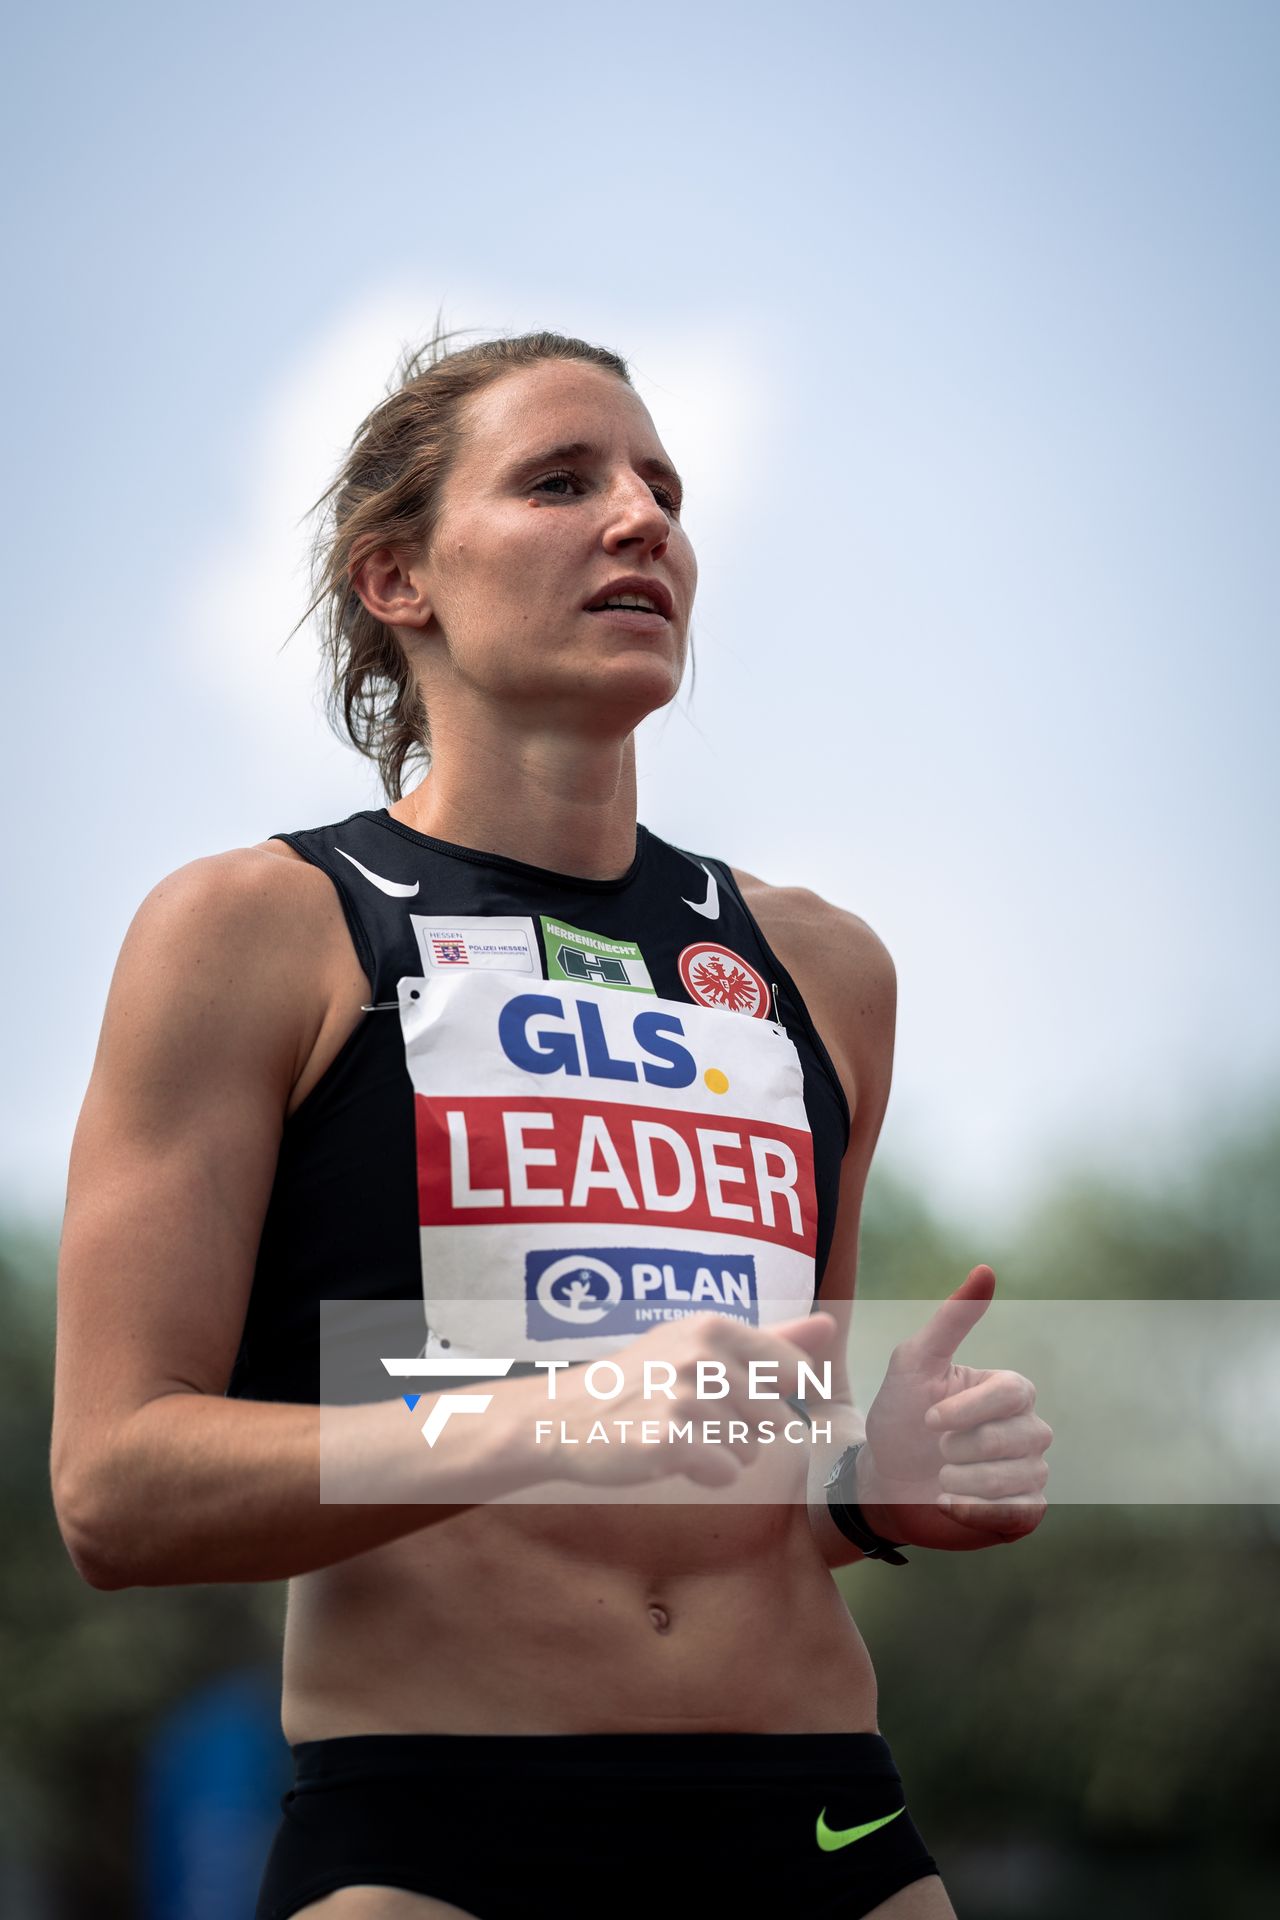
(562, 478)
(564, 484)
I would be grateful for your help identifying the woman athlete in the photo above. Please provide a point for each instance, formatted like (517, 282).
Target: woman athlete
(496, 1050)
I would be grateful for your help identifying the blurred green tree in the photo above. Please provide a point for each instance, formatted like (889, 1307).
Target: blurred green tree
(1111, 1685)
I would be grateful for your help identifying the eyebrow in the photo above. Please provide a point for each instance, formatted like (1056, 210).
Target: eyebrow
(652, 468)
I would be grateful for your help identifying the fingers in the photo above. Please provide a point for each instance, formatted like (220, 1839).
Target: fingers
(710, 1370)
(997, 1440)
(1001, 1395)
(995, 1479)
(739, 1397)
(1003, 1520)
(711, 1466)
(957, 1316)
(812, 1334)
(997, 1461)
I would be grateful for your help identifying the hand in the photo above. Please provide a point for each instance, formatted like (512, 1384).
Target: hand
(955, 1454)
(569, 1413)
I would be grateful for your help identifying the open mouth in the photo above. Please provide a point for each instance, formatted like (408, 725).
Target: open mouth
(647, 599)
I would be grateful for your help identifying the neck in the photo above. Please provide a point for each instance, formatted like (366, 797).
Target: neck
(550, 799)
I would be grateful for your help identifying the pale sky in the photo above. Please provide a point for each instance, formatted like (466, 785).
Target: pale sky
(960, 320)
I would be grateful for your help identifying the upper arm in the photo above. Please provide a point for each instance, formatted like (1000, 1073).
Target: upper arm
(862, 1027)
(847, 978)
(205, 1028)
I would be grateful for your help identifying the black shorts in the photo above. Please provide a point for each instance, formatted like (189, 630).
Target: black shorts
(599, 1825)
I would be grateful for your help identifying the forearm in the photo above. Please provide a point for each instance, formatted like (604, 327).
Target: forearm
(198, 1489)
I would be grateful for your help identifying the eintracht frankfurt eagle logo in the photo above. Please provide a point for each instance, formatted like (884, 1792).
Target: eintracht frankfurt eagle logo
(718, 977)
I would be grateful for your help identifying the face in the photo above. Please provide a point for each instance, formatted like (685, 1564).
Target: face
(561, 495)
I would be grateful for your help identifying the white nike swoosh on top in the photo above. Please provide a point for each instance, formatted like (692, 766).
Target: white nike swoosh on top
(398, 889)
(710, 907)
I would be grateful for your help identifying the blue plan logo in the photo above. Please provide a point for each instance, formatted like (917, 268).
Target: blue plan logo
(592, 1291)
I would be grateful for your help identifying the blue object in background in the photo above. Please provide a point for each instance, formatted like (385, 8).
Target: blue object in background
(213, 1776)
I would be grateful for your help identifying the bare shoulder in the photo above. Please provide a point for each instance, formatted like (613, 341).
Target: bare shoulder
(224, 906)
(828, 942)
(843, 969)
(253, 936)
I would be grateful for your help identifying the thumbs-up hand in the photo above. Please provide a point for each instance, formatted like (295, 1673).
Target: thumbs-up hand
(955, 1454)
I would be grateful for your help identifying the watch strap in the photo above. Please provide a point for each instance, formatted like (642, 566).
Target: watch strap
(848, 1515)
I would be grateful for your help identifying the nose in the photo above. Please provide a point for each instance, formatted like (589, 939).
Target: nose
(635, 518)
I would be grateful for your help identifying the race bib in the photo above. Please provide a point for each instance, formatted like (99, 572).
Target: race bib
(597, 1162)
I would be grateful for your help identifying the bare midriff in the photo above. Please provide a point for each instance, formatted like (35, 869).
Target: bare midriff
(579, 1620)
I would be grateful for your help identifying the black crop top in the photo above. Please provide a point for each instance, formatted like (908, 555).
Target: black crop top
(601, 1103)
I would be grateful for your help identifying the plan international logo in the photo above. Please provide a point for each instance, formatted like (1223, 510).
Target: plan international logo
(589, 1291)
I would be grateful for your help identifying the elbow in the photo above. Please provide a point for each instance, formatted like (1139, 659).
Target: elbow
(95, 1566)
(92, 1537)
(95, 1571)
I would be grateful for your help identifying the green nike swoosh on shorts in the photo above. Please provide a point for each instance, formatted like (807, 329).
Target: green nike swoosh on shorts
(830, 1841)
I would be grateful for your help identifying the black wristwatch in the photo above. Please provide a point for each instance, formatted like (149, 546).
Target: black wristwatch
(842, 1505)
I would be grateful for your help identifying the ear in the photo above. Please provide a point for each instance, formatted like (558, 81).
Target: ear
(392, 588)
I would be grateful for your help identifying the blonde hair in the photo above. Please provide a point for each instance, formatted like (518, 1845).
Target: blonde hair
(387, 494)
